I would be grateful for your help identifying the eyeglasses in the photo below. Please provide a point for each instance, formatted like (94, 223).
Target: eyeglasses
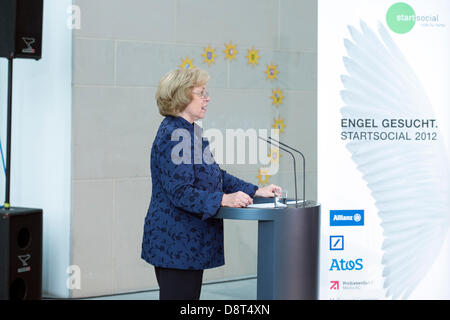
(203, 94)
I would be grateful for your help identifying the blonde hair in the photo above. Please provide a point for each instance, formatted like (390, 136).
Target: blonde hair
(174, 91)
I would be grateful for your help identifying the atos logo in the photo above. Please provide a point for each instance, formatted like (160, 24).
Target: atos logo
(346, 265)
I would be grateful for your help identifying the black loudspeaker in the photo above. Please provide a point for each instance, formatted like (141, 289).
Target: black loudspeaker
(20, 254)
(21, 28)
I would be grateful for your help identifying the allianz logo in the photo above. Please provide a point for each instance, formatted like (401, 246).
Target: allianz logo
(347, 217)
(356, 217)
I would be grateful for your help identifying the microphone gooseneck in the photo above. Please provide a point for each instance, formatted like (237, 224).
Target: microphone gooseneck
(304, 171)
(295, 170)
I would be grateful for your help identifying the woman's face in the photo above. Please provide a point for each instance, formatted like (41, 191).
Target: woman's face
(196, 109)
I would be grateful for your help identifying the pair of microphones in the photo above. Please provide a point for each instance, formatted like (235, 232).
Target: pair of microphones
(278, 144)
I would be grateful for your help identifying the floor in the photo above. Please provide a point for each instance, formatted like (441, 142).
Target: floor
(236, 289)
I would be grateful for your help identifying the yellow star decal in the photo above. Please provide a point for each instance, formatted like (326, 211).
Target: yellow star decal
(277, 97)
(271, 72)
(209, 55)
(187, 63)
(274, 155)
(252, 56)
(279, 124)
(263, 173)
(230, 51)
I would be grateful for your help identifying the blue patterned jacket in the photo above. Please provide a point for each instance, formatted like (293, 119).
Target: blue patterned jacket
(179, 231)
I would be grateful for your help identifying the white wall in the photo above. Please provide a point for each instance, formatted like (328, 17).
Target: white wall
(41, 141)
(121, 51)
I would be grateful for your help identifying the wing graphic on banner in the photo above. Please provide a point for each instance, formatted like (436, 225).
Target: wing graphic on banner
(409, 180)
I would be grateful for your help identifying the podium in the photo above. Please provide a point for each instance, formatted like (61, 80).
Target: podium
(288, 248)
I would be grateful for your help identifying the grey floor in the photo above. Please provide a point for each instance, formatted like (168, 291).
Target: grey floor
(236, 289)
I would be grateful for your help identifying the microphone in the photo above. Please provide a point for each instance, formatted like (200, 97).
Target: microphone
(295, 170)
(304, 171)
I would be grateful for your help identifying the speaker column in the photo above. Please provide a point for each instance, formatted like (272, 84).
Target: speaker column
(20, 228)
(21, 28)
(20, 254)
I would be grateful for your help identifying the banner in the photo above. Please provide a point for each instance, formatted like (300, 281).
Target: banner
(383, 153)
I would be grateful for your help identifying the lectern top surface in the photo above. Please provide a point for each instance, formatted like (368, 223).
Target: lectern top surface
(265, 212)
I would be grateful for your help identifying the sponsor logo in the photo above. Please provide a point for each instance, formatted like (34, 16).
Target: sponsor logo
(346, 265)
(334, 285)
(401, 18)
(336, 242)
(353, 285)
(346, 218)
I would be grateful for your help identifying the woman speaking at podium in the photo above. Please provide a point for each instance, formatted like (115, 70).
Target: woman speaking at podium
(180, 240)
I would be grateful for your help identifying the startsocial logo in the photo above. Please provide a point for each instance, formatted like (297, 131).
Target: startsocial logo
(401, 18)
(346, 218)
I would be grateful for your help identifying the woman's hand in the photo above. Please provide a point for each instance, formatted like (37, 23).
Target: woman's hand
(268, 191)
(236, 200)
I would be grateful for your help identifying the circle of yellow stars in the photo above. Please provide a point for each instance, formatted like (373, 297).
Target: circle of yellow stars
(277, 97)
(271, 72)
(209, 55)
(252, 56)
(230, 51)
(263, 176)
(187, 63)
(279, 124)
(274, 155)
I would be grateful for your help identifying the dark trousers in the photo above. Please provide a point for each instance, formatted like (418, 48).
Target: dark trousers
(177, 284)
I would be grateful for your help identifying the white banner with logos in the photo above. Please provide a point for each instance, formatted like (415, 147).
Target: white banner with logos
(383, 149)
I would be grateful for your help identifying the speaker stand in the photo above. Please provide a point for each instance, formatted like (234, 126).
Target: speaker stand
(7, 204)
